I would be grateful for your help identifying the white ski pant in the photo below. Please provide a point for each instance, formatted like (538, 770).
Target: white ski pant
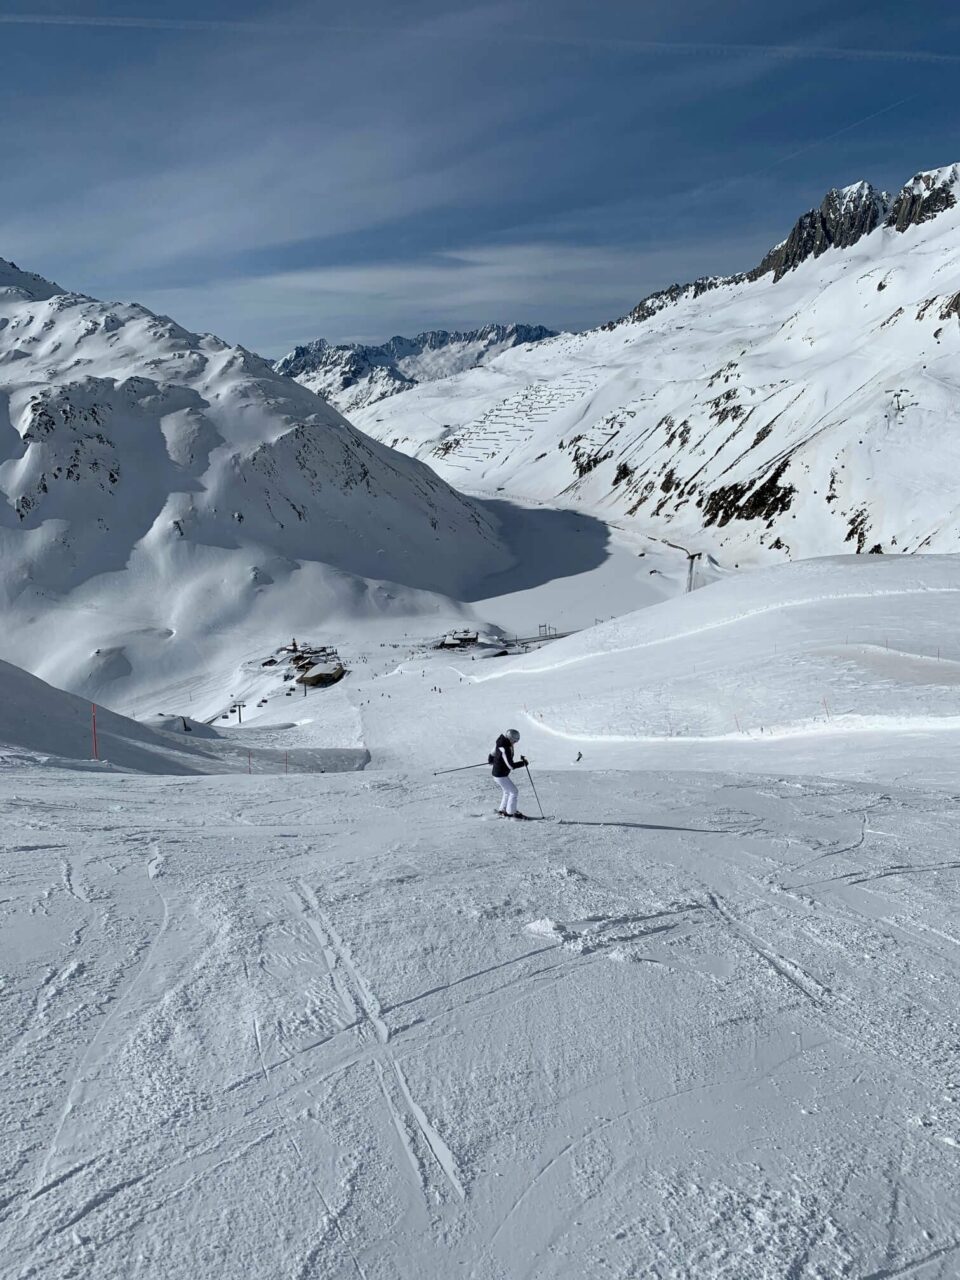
(509, 802)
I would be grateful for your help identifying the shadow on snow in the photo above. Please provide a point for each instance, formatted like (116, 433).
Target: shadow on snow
(547, 543)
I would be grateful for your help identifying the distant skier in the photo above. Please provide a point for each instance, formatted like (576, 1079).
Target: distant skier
(503, 765)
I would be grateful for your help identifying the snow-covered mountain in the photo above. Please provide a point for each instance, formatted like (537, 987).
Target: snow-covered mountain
(351, 375)
(807, 407)
(163, 494)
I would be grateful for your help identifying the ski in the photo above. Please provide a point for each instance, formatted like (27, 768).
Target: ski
(526, 817)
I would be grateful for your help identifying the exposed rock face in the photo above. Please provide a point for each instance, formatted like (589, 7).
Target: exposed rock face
(648, 307)
(334, 370)
(923, 197)
(844, 216)
(351, 375)
(490, 335)
(841, 220)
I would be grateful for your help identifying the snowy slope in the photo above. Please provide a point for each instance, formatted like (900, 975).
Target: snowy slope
(351, 375)
(714, 1039)
(43, 727)
(352, 1024)
(345, 1026)
(848, 666)
(37, 720)
(162, 493)
(806, 408)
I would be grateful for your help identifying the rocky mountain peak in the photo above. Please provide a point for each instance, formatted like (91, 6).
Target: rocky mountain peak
(843, 217)
(144, 467)
(924, 196)
(352, 375)
(653, 303)
(487, 335)
(303, 357)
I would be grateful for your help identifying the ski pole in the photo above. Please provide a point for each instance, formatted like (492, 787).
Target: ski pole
(536, 797)
(461, 769)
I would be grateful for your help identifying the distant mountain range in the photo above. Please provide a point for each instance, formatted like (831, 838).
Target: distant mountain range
(806, 407)
(352, 376)
(168, 501)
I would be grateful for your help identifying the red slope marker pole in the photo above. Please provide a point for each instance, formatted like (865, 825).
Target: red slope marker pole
(249, 769)
(96, 748)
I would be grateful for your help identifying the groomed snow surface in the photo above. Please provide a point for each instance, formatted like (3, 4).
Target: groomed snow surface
(703, 1023)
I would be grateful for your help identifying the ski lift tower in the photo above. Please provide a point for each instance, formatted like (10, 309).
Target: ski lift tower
(898, 394)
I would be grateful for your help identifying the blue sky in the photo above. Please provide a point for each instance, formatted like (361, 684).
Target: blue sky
(278, 172)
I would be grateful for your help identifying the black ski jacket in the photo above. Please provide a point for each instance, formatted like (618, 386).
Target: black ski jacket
(503, 757)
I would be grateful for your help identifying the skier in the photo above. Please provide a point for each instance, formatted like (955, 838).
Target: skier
(503, 764)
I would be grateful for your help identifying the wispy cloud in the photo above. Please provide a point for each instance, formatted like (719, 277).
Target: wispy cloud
(582, 40)
(535, 282)
(238, 150)
(282, 176)
(132, 22)
(789, 52)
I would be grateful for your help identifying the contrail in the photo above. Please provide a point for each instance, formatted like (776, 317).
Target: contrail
(143, 24)
(733, 179)
(796, 52)
(809, 146)
(787, 52)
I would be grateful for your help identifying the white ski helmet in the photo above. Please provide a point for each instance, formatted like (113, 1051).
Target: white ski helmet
(513, 735)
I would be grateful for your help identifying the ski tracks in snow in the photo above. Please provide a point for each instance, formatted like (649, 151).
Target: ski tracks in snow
(331, 1215)
(83, 1073)
(356, 993)
(436, 1170)
(809, 987)
(471, 1101)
